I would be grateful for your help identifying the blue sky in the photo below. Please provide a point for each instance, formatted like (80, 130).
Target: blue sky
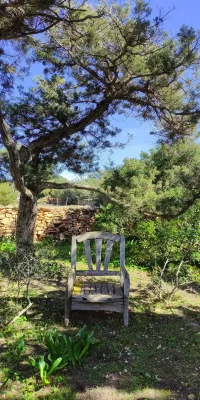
(185, 12)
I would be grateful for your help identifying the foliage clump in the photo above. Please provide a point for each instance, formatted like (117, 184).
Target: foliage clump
(104, 59)
(8, 195)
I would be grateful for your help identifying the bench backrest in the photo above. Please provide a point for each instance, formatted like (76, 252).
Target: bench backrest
(98, 269)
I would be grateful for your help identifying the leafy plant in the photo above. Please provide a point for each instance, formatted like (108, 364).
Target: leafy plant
(44, 368)
(71, 349)
(62, 351)
(7, 245)
(15, 349)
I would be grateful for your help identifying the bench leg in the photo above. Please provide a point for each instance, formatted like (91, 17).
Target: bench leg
(67, 311)
(125, 312)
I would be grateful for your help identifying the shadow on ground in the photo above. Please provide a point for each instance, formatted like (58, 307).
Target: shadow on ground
(156, 357)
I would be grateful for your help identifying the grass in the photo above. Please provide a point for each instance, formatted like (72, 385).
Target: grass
(156, 357)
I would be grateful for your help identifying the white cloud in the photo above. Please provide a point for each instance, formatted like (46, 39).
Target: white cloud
(69, 175)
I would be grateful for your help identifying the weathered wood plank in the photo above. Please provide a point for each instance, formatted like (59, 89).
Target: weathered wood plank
(98, 235)
(98, 297)
(98, 288)
(118, 290)
(109, 246)
(98, 243)
(82, 289)
(110, 288)
(122, 252)
(93, 288)
(67, 310)
(97, 273)
(125, 311)
(71, 279)
(88, 254)
(116, 306)
(104, 289)
(73, 252)
(86, 288)
(125, 282)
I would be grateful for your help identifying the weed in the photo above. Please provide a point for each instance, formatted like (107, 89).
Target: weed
(71, 349)
(44, 368)
(15, 349)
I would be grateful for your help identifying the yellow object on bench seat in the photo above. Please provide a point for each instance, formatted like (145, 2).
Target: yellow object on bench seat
(77, 288)
(95, 295)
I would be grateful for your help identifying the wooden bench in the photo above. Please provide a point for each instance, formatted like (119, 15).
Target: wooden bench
(94, 296)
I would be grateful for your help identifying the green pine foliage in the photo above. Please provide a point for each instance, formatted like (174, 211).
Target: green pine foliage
(8, 195)
(164, 183)
(98, 60)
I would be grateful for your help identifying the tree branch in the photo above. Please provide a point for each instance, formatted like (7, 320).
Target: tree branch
(20, 313)
(11, 147)
(20, 27)
(169, 216)
(71, 185)
(66, 131)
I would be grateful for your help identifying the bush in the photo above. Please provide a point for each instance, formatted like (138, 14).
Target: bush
(71, 349)
(63, 351)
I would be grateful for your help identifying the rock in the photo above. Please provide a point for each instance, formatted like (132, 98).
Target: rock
(57, 222)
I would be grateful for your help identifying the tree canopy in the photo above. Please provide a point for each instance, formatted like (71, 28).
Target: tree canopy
(162, 184)
(120, 61)
(22, 18)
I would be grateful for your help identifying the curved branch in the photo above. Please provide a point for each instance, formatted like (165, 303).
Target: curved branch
(148, 215)
(20, 28)
(11, 147)
(169, 216)
(65, 132)
(72, 185)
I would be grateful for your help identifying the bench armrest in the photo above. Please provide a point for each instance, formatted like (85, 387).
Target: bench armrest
(125, 281)
(71, 280)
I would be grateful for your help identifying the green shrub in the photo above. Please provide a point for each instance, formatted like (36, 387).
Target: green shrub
(71, 349)
(7, 245)
(44, 368)
(62, 351)
(16, 349)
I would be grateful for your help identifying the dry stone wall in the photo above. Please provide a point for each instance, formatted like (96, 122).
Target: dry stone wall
(59, 222)
(8, 217)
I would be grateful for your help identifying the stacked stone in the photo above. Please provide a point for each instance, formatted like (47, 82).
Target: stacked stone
(59, 222)
(8, 218)
(63, 222)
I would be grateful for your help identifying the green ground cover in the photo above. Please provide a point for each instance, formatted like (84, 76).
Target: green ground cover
(156, 357)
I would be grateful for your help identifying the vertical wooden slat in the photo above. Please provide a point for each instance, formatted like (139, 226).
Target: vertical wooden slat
(108, 254)
(118, 290)
(88, 254)
(122, 252)
(92, 288)
(73, 252)
(104, 289)
(125, 311)
(110, 288)
(98, 288)
(87, 288)
(98, 243)
(82, 289)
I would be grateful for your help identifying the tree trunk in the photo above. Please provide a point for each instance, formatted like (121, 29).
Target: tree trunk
(26, 219)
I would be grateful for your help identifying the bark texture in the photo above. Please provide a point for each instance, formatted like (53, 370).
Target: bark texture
(26, 219)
